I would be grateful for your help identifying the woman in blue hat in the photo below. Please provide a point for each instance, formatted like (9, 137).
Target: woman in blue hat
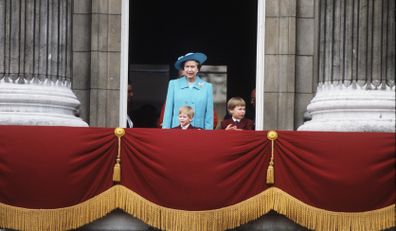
(189, 90)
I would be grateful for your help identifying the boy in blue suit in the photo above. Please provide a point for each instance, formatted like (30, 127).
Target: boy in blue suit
(186, 115)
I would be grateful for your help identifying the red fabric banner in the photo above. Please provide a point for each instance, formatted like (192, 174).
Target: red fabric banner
(195, 170)
(337, 171)
(54, 167)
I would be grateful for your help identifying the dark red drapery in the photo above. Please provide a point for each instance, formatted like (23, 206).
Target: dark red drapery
(54, 167)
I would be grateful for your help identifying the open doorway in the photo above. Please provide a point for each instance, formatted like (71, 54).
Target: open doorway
(162, 31)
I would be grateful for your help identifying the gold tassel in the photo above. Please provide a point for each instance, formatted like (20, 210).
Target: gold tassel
(119, 132)
(271, 135)
(117, 172)
(270, 174)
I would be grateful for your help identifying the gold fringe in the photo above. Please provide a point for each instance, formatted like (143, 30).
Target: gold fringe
(172, 219)
(66, 218)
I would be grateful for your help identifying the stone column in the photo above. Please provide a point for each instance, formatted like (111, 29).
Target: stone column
(356, 90)
(35, 63)
(280, 64)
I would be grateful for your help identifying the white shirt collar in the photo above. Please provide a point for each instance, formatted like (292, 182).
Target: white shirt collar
(184, 127)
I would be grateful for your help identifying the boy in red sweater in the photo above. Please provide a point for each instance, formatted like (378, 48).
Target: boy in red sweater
(237, 108)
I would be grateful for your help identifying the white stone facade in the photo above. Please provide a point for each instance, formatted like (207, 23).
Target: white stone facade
(33, 104)
(337, 107)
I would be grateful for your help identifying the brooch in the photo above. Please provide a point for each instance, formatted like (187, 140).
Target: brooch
(201, 84)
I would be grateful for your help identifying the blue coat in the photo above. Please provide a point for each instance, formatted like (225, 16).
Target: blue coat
(199, 96)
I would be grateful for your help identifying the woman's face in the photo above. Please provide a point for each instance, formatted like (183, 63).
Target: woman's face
(190, 69)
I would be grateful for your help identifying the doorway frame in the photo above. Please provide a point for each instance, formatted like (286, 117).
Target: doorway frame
(260, 63)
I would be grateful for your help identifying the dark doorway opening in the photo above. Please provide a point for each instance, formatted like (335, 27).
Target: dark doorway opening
(161, 31)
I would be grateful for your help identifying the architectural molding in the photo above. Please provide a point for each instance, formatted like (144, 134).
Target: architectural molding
(352, 107)
(33, 104)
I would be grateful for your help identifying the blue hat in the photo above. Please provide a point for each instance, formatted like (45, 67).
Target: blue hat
(199, 57)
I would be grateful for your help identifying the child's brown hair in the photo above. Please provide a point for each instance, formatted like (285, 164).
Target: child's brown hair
(235, 101)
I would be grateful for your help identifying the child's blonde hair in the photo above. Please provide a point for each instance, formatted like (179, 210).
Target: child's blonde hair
(187, 110)
(235, 101)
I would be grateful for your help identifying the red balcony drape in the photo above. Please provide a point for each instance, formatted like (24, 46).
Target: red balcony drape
(51, 169)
